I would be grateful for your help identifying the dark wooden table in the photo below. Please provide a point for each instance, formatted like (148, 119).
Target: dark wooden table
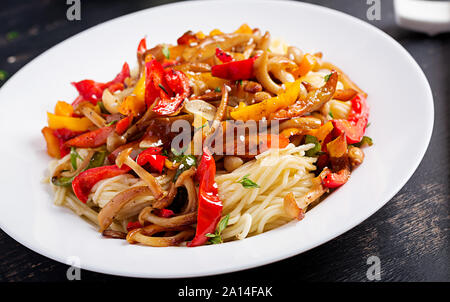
(410, 234)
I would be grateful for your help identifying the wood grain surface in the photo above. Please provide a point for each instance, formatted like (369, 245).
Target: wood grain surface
(410, 234)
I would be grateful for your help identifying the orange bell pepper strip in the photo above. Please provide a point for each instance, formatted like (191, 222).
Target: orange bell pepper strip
(52, 142)
(63, 109)
(308, 63)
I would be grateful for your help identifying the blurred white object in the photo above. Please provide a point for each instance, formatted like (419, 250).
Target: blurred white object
(431, 17)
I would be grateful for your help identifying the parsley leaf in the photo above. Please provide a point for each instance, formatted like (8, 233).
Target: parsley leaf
(327, 77)
(331, 114)
(216, 238)
(218, 89)
(248, 183)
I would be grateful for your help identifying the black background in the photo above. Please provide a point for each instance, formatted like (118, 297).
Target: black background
(409, 234)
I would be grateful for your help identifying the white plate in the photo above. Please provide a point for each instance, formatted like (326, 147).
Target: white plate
(401, 124)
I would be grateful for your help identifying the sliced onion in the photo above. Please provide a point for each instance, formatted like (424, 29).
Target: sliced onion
(110, 210)
(200, 107)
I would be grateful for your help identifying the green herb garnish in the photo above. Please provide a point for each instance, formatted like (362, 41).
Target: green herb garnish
(163, 88)
(216, 238)
(331, 114)
(309, 139)
(365, 140)
(97, 160)
(248, 183)
(327, 77)
(166, 52)
(218, 89)
(112, 123)
(186, 162)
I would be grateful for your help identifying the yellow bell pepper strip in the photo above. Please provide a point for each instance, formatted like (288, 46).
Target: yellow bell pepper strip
(338, 147)
(139, 89)
(71, 123)
(269, 106)
(63, 109)
(215, 32)
(322, 132)
(244, 29)
(132, 106)
(52, 142)
(313, 101)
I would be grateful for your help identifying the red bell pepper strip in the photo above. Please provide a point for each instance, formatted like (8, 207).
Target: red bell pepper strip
(123, 125)
(133, 225)
(356, 123)
(142, 47)
(154, 80)
(121, 76)
(92, 91)
(209, 204)
(64, 135)
(223, 56)
(334, 180)
(187, 38)
(153, 157)
(166, 213)
(83, 183)
(178, 83)
(234, 70)
(91, 139)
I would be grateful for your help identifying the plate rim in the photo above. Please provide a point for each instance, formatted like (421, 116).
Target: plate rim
(293, 251)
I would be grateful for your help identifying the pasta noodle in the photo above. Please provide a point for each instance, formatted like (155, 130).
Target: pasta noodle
(277, 172)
